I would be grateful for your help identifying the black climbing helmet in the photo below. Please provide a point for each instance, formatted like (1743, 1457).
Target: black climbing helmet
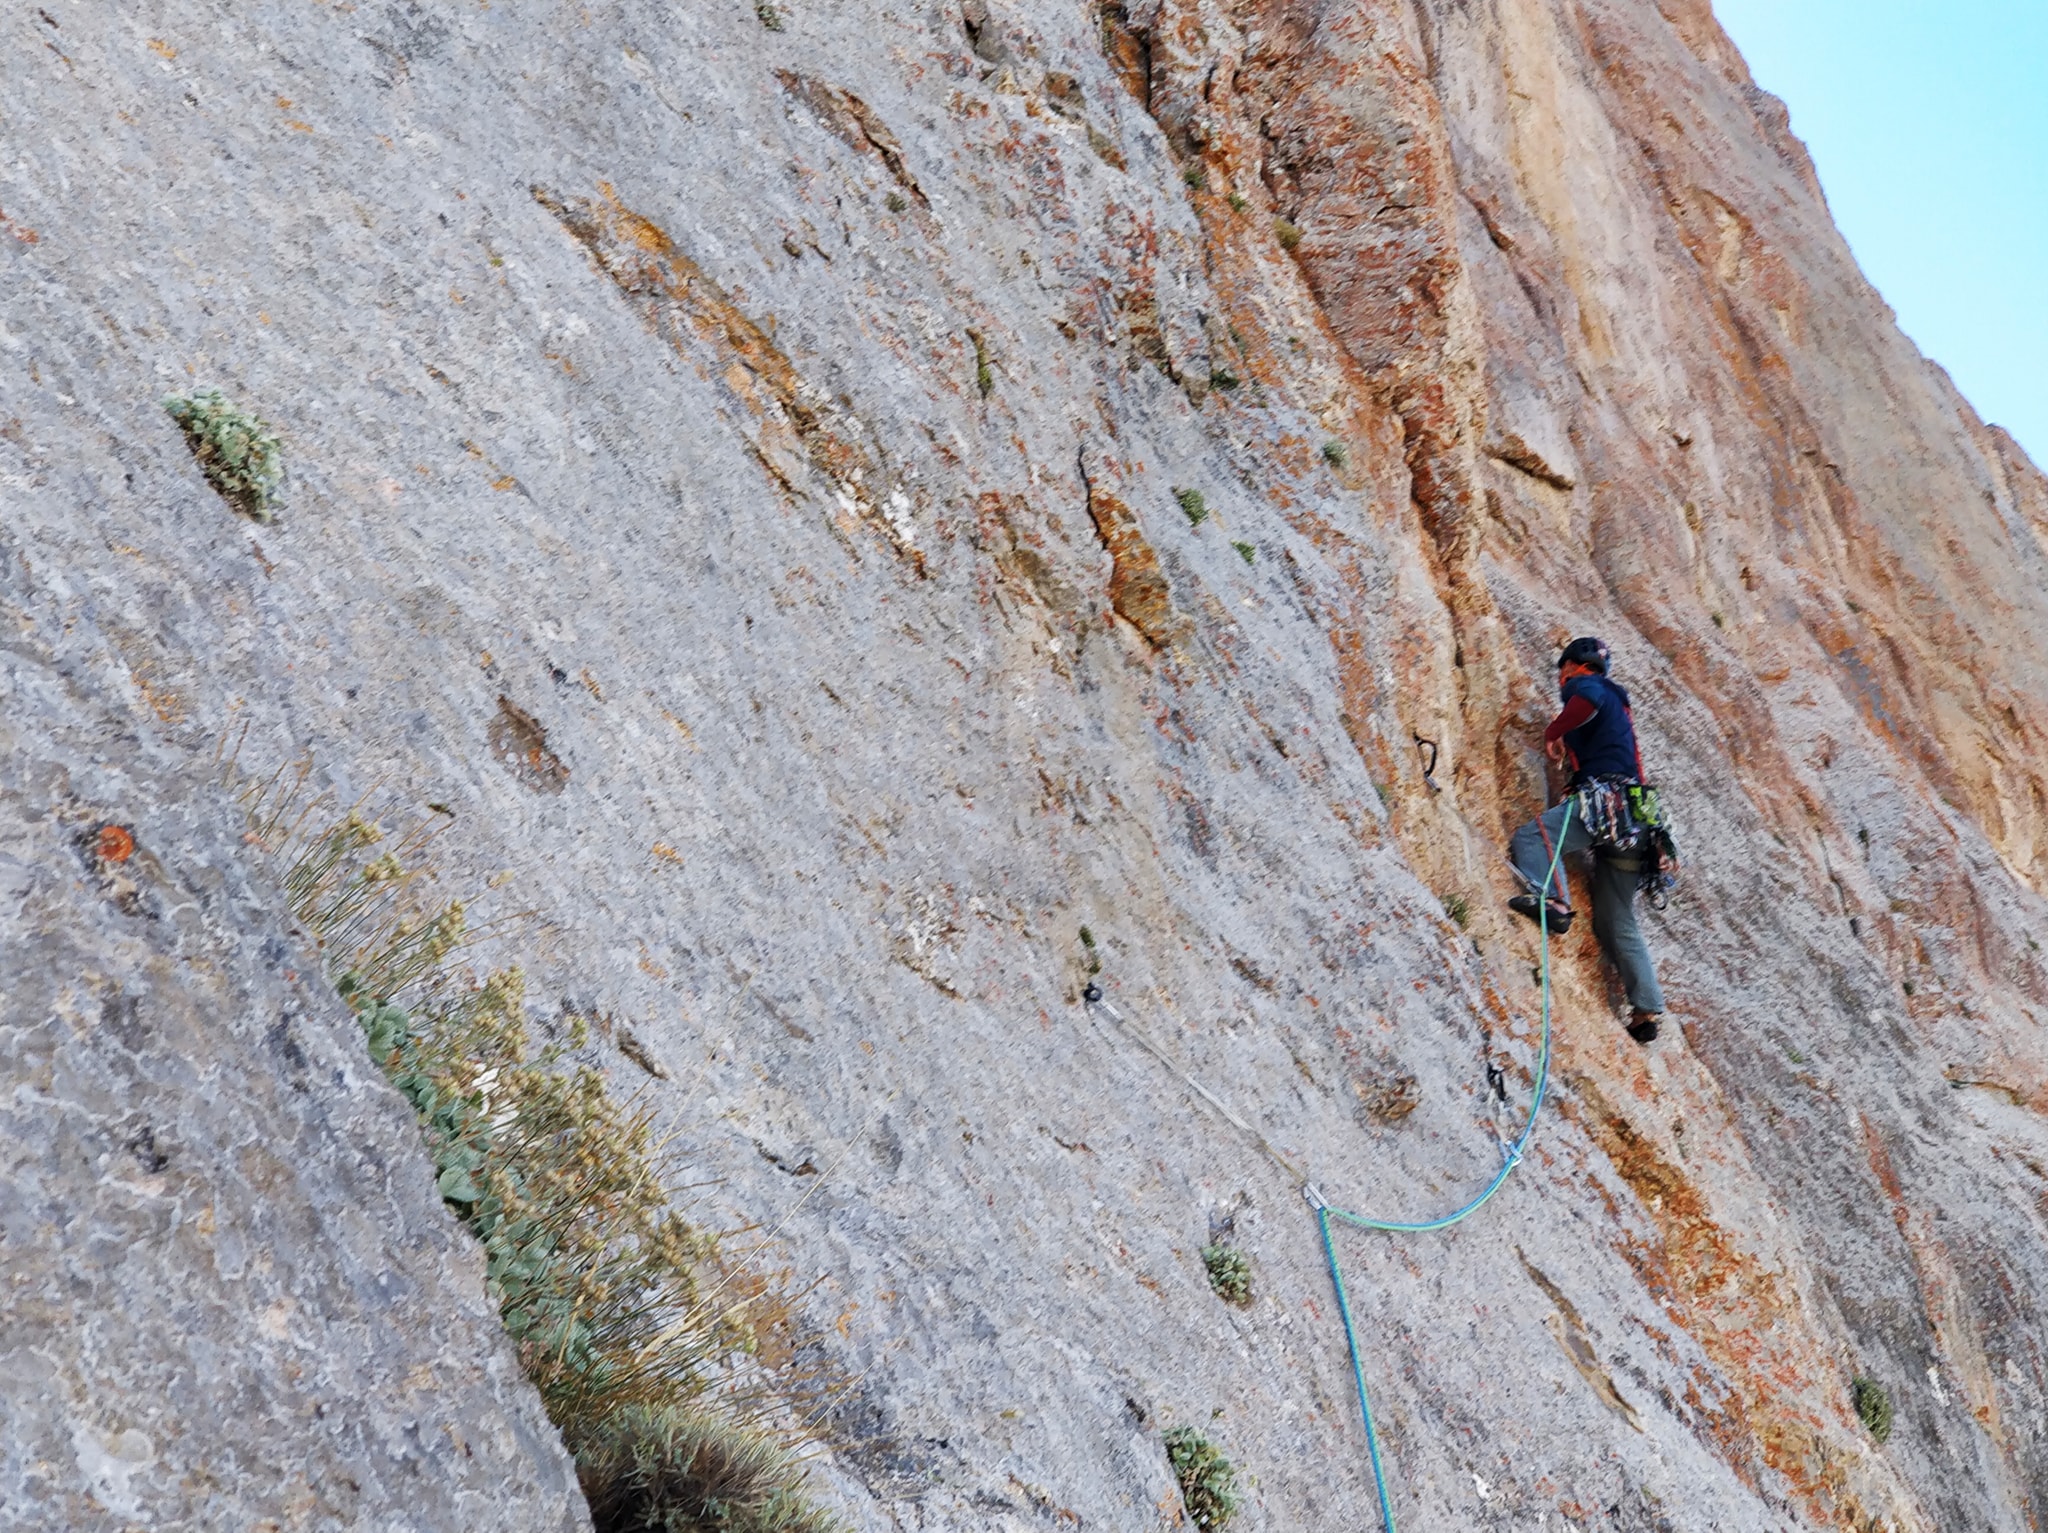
(1589, 652)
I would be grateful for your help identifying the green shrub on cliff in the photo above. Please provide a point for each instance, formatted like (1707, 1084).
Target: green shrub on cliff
(1208, 1482)
(1873, 1408)
(240, 456)
(1230, 1273)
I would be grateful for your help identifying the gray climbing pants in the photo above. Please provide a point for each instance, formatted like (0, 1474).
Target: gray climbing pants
(1614, 898)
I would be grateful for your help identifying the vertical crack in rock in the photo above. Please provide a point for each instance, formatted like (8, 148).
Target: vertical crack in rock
(1361, 166)
(1565, 1323)
(855, 122)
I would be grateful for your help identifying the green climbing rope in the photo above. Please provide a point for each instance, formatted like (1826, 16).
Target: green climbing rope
(1511, 1157)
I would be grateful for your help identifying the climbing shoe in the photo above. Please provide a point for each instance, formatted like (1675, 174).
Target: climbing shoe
(1643, 1025)
(1528, 905)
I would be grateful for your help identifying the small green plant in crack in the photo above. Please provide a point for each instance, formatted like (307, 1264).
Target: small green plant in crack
(1208, 1483)
(1246, 552)
(1230, 1273)
(1458, 908)
(984, 365)
(1336, 454)
(1288, 234)
(1192, 506)
(1873, 1407)
(1223, 378)
(1094, 958)
(896, 202)
(239, 454)
(1196, 176)
(1238, 203)
(769, 16)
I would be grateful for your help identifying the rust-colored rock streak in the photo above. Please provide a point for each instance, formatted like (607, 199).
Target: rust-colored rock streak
(1138, 589)
(792, 418)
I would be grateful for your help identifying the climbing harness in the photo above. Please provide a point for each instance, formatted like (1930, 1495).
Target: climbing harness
(1632, 832)
(1605, 809)
(1645, 805)
(1325, 1211)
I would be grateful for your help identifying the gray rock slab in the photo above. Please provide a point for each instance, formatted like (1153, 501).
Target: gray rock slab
(231, 1297)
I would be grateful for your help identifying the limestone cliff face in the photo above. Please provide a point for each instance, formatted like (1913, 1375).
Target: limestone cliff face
(779, 431)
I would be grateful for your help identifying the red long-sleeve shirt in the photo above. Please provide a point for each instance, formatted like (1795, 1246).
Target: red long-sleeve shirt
(1576, 711)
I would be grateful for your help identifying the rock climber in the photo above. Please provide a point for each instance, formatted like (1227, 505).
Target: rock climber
(1595, 734)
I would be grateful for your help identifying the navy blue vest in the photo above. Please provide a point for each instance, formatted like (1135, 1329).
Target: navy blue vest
(1605, 745)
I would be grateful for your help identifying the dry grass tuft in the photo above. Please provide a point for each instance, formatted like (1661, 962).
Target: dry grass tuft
(675, 1471)
(643, 1336)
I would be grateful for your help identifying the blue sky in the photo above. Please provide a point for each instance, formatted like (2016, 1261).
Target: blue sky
(1928, 120)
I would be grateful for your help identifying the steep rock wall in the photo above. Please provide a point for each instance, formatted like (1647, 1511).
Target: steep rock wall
(734, 469)
(231, 1298)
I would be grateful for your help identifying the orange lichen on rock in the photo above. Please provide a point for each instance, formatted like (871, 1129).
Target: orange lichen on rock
(1767, 1369)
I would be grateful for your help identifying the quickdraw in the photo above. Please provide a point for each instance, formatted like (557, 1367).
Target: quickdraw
(1628, 824)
